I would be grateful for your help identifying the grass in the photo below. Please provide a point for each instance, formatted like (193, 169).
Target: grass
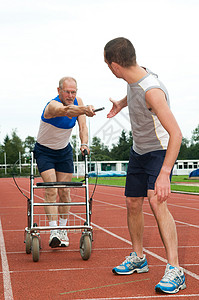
(120, 181)
(183, 178)
(183, 188)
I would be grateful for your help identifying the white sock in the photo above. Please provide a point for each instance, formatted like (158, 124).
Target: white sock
(53, 223)
(62, 222)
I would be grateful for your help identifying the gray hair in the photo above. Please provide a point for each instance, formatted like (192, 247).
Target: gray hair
(64, 79)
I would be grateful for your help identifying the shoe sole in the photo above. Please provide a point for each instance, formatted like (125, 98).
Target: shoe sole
(182, 287)
(64, 244)
(55, 242)
(143, 270)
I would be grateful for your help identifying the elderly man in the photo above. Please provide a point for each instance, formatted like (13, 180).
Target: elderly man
(53, 152)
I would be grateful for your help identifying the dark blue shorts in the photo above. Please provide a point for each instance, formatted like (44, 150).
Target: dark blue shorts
(60, 160)
(142, 172)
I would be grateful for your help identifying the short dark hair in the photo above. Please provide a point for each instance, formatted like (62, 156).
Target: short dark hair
(121, 51)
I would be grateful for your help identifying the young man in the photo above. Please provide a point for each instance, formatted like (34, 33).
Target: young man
(53, 151)
(156, 143)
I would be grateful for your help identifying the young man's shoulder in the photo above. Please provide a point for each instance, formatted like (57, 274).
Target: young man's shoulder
(149, 81)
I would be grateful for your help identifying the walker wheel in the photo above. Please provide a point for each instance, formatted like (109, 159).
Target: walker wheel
(28, 243)
(85, 246)
(35, 248)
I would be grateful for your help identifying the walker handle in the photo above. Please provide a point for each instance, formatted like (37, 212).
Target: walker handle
(85, 152)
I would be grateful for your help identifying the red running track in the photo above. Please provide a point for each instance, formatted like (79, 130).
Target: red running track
(62, 274)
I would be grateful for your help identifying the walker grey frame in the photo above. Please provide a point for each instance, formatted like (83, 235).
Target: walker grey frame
(32, 231)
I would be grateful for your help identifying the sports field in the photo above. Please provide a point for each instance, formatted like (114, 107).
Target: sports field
(62, 274)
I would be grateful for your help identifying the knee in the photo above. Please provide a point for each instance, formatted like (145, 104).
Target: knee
(134, 205)
(64, 195)
(153, 201)
(51, 195)
(157, 207)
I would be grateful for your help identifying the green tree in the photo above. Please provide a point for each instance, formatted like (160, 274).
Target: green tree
(98, 150)
(193, 151)
(29, 143)
(73, 142)
(1, 154)
(195, 135)
(12, 146)
(121, 150)
(184, 149)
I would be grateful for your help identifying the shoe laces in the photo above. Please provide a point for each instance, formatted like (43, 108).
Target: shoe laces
(171, 274)
(54, 233)
(64, 233)
(131, 258)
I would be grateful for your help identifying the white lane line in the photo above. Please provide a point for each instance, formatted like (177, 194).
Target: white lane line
(8, 295)
(174, 195)
(124, 207)
(145, 213)
(145, 250)
(128, 242)
(145, 297)
(82, 268)
(182, 206)
(169, 204)
(107, 249)
(108, 227)
(187, 224)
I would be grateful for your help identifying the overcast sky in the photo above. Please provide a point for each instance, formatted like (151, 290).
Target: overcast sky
(44, 40)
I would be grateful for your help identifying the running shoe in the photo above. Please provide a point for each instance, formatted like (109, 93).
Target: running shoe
(132, 263)
(172, 281)
(55, 240)
(64, 238)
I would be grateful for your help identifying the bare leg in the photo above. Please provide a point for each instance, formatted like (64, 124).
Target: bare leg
(135, 220)
(167, 228)
(64, 194)
(50, 194)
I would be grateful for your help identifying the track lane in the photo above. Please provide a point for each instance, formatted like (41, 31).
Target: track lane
(62, 274)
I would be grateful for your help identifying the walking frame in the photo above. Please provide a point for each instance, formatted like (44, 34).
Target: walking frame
(32, 231)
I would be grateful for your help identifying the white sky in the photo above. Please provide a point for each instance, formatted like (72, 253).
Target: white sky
(44, 40)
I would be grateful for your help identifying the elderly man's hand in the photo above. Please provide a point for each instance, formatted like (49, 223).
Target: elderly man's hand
(90, 111)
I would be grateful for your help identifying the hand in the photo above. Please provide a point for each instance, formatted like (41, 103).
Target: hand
(83, 147)
(115, 108)
(90, 111)
(162, 187)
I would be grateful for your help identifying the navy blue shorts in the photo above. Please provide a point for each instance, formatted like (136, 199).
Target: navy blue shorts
(60, 160)
(142, 172)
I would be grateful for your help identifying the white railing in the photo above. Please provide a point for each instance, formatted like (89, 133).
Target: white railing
(181, 167)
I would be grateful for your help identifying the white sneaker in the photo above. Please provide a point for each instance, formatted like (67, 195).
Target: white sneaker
(64, 238)
(132, 264)
(172, 281)
(55, 240)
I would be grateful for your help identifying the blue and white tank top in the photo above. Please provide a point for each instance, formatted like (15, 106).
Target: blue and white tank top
(55, 133)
